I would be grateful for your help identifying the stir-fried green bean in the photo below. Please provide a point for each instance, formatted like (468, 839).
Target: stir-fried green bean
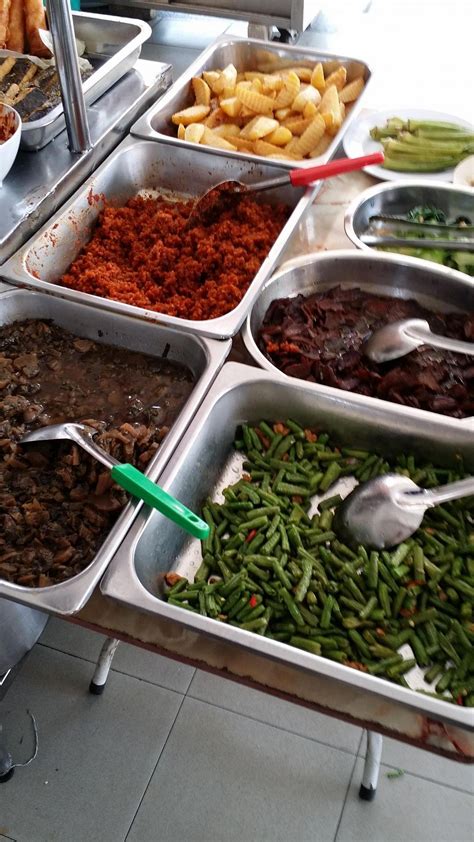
(273, 567)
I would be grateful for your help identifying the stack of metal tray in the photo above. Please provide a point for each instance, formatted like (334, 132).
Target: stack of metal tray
(143, 165)
(245, 54)
(203, 356)
(112, 44)
(205, 463)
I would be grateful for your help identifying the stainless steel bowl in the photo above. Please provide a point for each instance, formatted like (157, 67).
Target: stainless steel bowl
(396, 199)
(435, 287)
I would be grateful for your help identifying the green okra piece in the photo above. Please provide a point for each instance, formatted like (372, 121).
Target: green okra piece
(250, 613)
(368, 608)
(355, 591)
(360, 643)
(281, 574)
(252, 546)
(270, 545)
(384, 599)
(418, 563)
(419, 651)
(380, 651)
(292, 606)
(433, 672)
(254, 625)
(383, 665)
(325, 621)
(186, 605)
(373, 570)
(398, 601)
(333, 473)
(309, 618)
(180, 585)
(330, 502)
(401, 668)
(444, 681)
(283, 446)
(306, 644)
(423, 617)
(303, 584)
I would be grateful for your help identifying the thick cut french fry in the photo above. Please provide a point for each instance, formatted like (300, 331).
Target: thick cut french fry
(259, 127)
(194, 132)
(202, 91)
(212, 78)
(227, 130)
(290, 90)
(353, 90)
(297, 125)
(258, 103)
(308, 94)
(215, 118)
(242, 144)
(310, 110)
(193, 114)
(338, 78)
(291, 148)
(280, 136)
(322, 146)
(283, 113)
(181, 132)
(303, 73)
(330, 101)
(333, 122)
(262, 147)
(310, 137)
(227, 79)
(231, 106)
(317, 77)
(209, 138)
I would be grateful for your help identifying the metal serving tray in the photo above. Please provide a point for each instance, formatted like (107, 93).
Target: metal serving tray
(142, 165)
(396, 199)
(245, 54)
(435, 287)
(205, 463)
(113, 45)
(203, 357)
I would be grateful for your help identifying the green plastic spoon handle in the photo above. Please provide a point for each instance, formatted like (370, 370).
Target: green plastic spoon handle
(137, 484)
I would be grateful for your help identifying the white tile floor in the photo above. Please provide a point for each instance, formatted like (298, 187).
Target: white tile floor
(169, 754)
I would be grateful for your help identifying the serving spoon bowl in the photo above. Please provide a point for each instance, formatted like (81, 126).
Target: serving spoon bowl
(388, 509)
(401, 338)
(125, 475)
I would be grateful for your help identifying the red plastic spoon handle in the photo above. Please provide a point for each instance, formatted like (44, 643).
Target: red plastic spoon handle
(303, 176)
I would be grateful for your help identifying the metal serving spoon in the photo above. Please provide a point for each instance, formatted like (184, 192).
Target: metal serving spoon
(219, 197)
(385, 511)
(400, 338)
(125, 475)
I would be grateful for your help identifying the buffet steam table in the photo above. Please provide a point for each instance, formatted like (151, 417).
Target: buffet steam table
(321, 229)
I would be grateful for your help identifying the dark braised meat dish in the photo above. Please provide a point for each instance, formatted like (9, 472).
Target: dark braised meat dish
(31, 90)
(57, 504)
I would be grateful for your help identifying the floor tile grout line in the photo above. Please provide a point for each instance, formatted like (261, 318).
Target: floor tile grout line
(191, 681)
(351, 778)
(278, 727)
(118, 671)
(155, 768)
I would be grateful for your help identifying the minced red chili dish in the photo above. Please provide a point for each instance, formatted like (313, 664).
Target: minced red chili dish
(143, 254)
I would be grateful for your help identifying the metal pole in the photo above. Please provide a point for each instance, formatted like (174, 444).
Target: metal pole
(370, 776)
(62, 31)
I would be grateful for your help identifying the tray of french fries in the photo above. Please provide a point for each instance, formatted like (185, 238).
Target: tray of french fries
(251, 98)
(108, 47)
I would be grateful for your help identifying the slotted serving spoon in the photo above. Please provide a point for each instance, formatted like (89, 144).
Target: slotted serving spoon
(400, 338)
(125, 475)
(385, 511)
(214, 200)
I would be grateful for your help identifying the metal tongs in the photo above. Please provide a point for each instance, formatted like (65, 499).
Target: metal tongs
(385, 231)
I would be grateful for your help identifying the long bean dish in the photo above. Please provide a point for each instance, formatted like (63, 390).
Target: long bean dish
(273, 565)
(320, 338)
(57, 504)
(144, 254)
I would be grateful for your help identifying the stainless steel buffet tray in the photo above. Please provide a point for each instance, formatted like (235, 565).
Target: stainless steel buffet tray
(203, 357)
(205, 463)
(396, 199)
(113, 45)
(142, 165)
(435, 287)
(245, 54)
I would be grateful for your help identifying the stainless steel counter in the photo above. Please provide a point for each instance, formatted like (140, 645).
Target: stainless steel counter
(41, 181)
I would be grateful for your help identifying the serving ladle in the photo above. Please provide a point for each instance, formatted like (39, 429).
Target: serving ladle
(125, 475)
(222, 195)
(384, 511)
(400, 338)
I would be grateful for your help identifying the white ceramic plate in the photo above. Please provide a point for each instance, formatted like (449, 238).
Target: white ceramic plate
(357, 141)
(464, 172)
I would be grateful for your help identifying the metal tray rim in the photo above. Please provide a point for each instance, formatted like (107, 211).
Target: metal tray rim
(68, 597)
(122, 584)
(321, 257)
(222, 327)
(144, 32)
(142, 128)
(385, 187)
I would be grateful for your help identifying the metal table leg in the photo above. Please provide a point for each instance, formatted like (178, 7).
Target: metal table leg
(370, 776)
(97, 685)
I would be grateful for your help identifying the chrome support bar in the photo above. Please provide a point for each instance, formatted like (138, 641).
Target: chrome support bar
(62, 31)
